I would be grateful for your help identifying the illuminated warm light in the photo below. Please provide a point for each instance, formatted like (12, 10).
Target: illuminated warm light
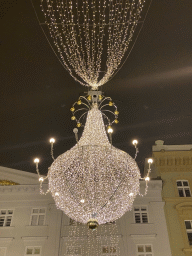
(79, 33)
(109, 130)
(135, 142)
(150, 160)
(36, 160)
(147, 179)
(93, 163)
(41, 179)
(52, 140)
(56, 193)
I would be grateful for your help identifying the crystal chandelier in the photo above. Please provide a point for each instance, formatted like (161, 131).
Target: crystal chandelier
(92, 37)
(94, 182)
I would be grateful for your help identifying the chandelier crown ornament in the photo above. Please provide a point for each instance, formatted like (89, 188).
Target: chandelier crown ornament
(94, 182)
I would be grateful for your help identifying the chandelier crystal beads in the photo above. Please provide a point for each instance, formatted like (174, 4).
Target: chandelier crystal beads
(94, 180)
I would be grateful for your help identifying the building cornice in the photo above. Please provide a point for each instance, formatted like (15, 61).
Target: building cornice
(178, 199)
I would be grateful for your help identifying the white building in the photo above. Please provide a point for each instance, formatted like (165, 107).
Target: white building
(30, 224)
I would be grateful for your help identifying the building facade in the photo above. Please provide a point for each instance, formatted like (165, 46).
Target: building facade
(173, 163)
(30, 224)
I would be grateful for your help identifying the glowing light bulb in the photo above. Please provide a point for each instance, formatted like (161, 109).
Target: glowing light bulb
(36, 160)
(56, 193)
(135, 142)
(41, 179)
(52, 140)
(150, 160)
(147, 179)
(109, 130)
(82, 201)
(131, 194)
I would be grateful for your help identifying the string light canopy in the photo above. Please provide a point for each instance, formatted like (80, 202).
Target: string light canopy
(92, 36)
(94, 182)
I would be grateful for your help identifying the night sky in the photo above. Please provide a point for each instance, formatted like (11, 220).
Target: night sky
(153, 90)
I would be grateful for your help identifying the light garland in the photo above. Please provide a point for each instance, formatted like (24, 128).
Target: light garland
(92, 36)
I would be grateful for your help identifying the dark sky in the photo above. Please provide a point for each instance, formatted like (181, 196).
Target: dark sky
(153, 90)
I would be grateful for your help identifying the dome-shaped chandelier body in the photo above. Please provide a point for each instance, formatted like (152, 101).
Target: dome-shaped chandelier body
(94, 180)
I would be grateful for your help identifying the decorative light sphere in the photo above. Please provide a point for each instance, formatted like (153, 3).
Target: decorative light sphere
(52, 140)
(109, 129)
(135, 142)
(147, 179)
(36, 160)
(150, 161)
(97, 182)
(41, 179)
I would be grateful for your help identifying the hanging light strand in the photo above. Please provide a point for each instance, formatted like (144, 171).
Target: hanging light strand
(92, 36)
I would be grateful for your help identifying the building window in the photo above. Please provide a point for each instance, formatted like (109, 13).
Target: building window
(6, 218)
(183, 188)
(110, 250)
(73, 250)
(3, 251)
(188, 225)
(141, 214)
(33, 250)
(144, 250)
(38, 217)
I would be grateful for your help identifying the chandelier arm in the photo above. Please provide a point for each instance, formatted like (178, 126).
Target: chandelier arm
(136, 152)
(106, 117)
(82, 116)
(106, 98)
(80, 110)
(104, 106)
(52, 152)
(85, 105)
(146, 189)
(86, 100)
(108, 111)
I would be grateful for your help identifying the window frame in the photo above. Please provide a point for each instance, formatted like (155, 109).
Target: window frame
(188, 231)
(38, 214)
(6, 215)
(33, 247)
(140, 213)
(144, 253)
(109, 254)
(183, 188)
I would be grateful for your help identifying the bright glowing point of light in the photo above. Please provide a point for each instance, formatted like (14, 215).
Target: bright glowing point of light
(82, 201)
(131, 194)
(147, 179)
(135, 142)
(36, 160)
(110, 130)
(150, 161)
(52, 140)
(41, 179)
(56, 194)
